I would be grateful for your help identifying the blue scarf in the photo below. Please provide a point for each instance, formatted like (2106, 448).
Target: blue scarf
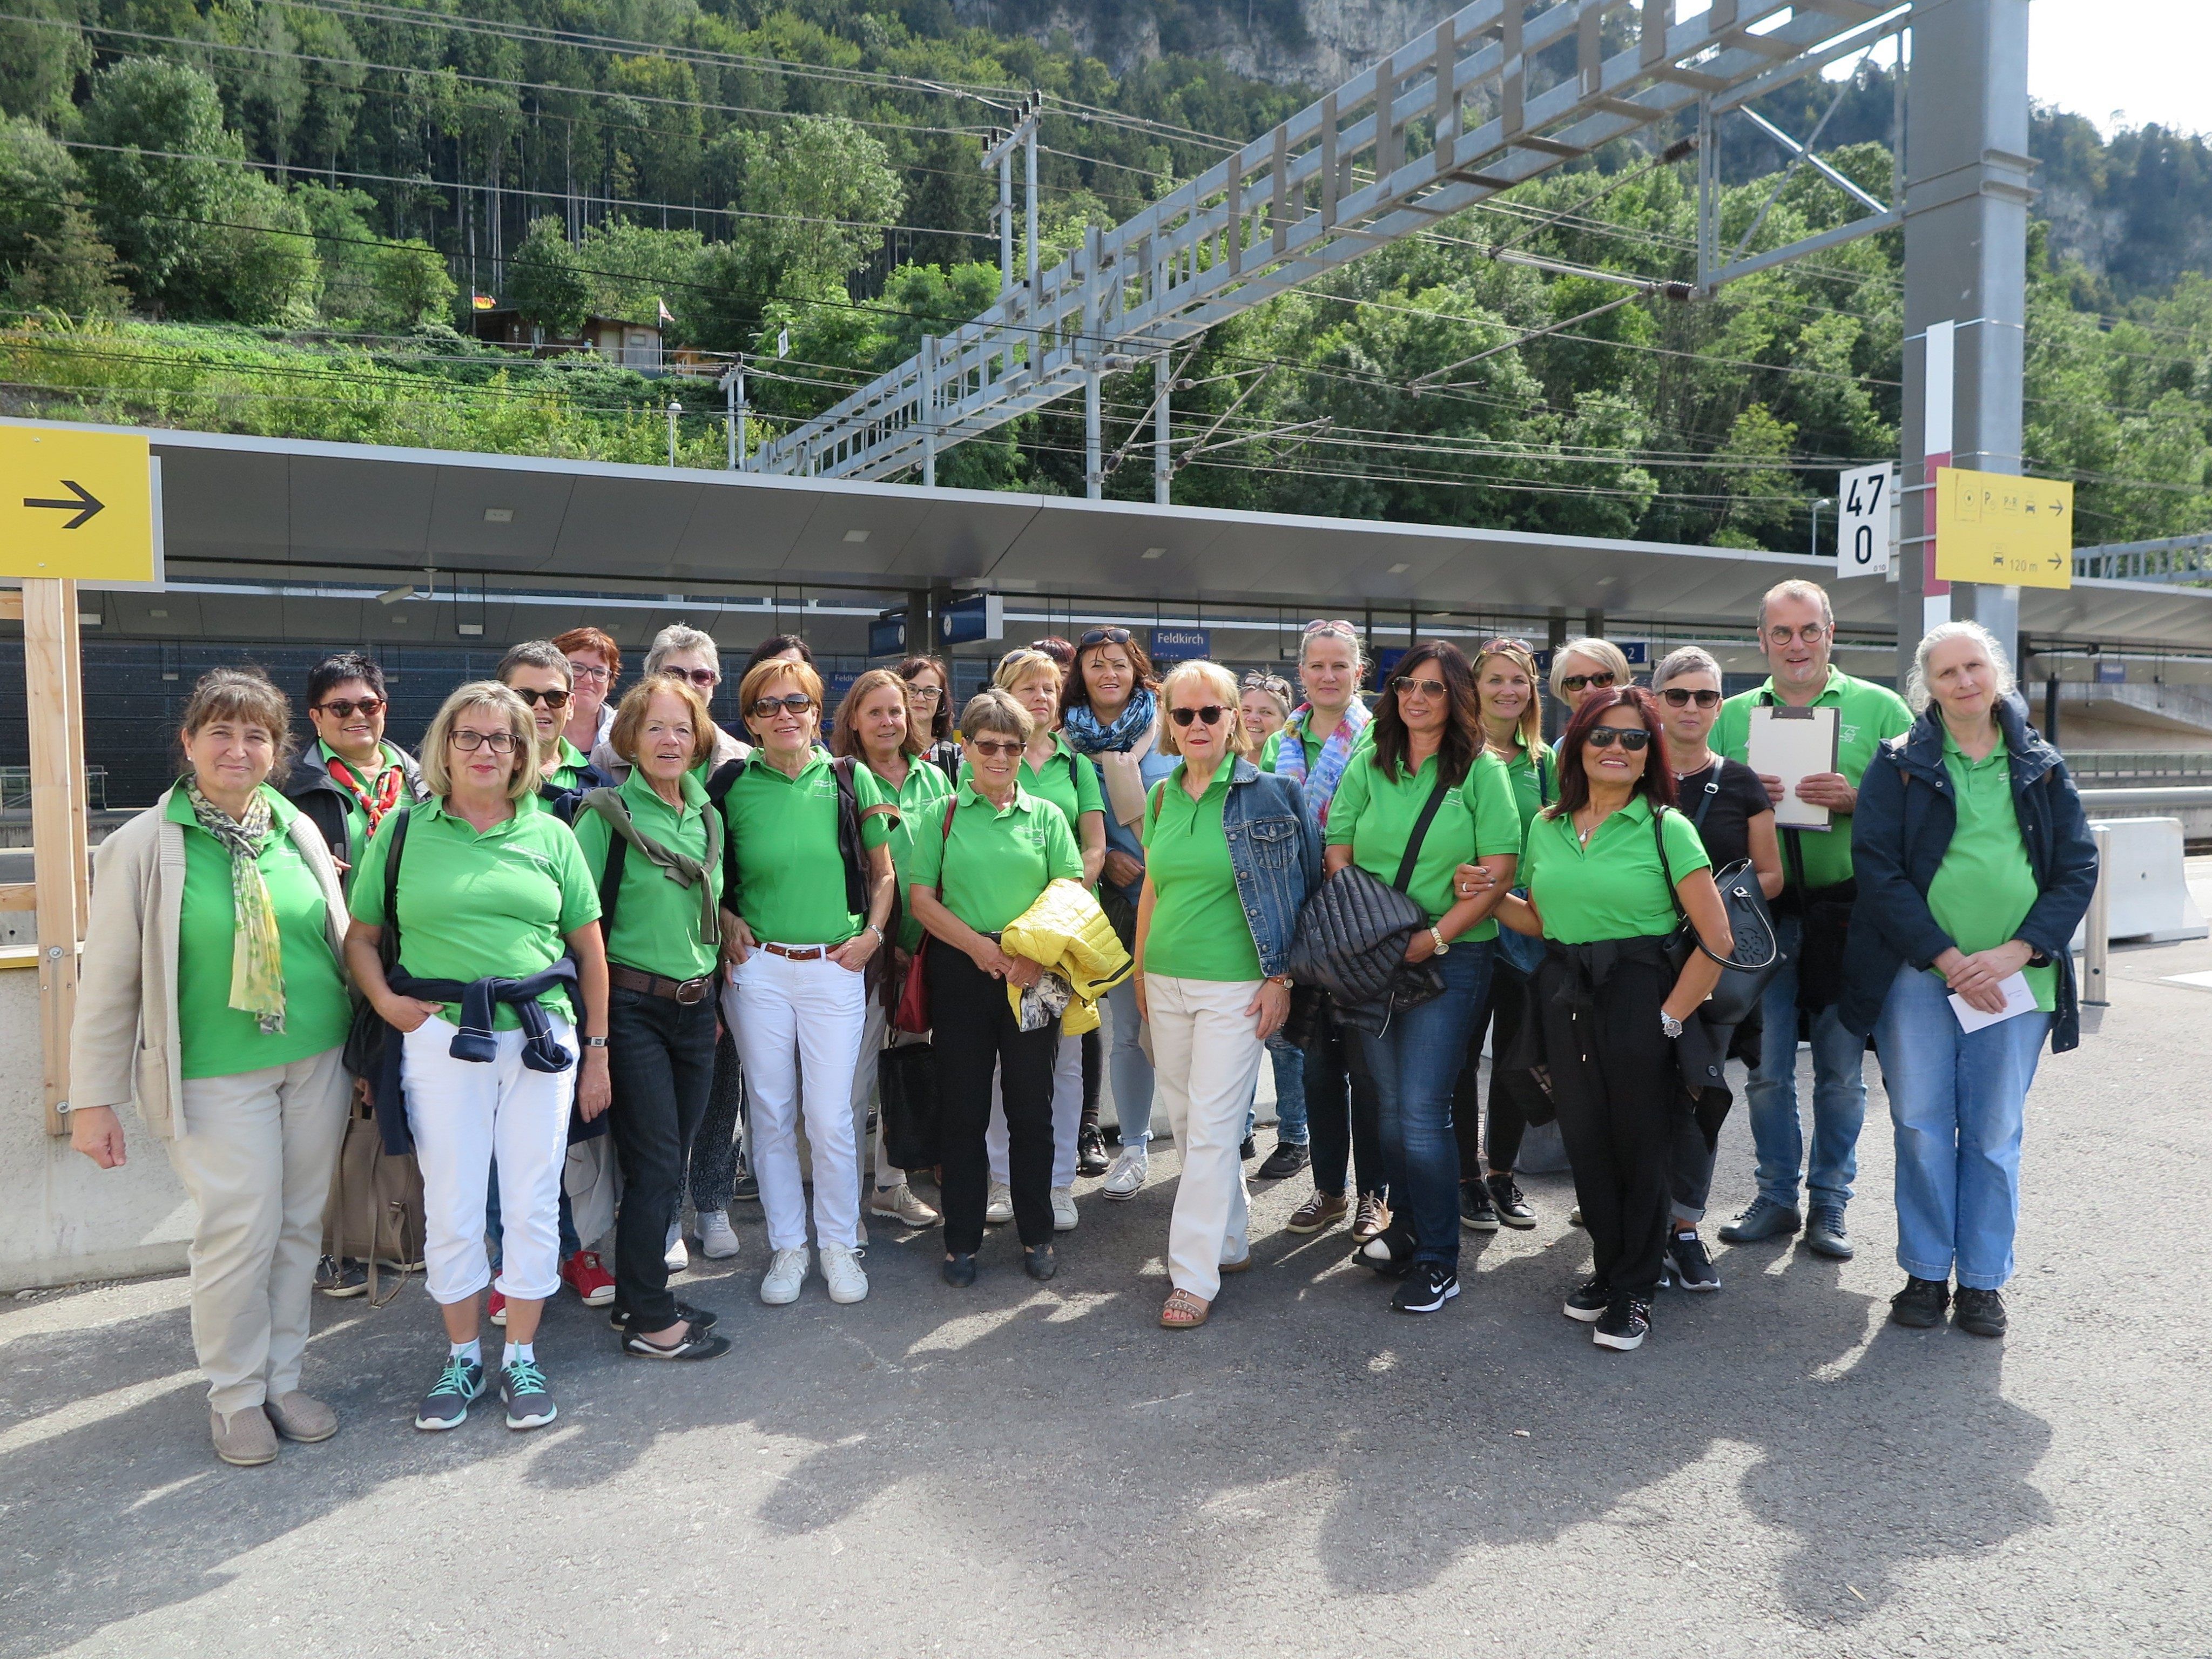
(1086, 736)
(1328, 766)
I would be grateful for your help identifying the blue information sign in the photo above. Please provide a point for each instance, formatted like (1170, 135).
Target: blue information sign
(1181, 644)
(887, 635)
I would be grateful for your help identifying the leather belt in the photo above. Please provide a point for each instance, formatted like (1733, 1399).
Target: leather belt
(799, 952)
(686, 991)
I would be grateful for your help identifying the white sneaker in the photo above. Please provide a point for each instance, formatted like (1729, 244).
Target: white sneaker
(787, 1272)
(718, 1240)
(1063, 1209)
(841, 1270)
(676, 1255)
(899, 1204)
(1127, 1178)
(1000, 1206)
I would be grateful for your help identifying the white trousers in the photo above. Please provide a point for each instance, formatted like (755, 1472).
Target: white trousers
(798, 1027)
(256, 1154)
(1067, 1115)
(1205, 1059)
(464, 1113)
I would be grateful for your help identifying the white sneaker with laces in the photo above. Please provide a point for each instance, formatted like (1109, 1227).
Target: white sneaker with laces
(676, 1255)
(899, 1204)
(1127, 1178)
(718, 1240)
(1000, 1206)
(1063, 1210)
(787, 1272)
(842, 1272)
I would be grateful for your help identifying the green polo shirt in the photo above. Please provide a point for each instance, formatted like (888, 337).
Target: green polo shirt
(501, 905)
(1375, 815)
(217, 1039)
(1528, 789)
(656, 923)
(357, 815)
(1866, 714)
(1615, 888)
(791, 877)
(1312, 744)
(994, 863)
(1984, 888)
(1069, 781)
(1199, 928)
(570, 768)
(920, 798)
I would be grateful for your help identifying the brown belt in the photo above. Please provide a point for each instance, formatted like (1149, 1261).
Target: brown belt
(799, 952)
(675, 990)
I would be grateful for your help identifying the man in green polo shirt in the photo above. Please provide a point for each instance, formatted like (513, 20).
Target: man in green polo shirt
(1796, 634)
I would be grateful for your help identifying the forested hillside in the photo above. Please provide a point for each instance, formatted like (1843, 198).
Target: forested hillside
(268, 215)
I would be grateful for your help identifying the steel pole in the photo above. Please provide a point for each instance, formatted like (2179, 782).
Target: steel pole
(1029, 201)
(1094, 477)
(1160, 469)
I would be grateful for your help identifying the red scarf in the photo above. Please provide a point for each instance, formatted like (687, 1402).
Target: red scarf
(375, 802)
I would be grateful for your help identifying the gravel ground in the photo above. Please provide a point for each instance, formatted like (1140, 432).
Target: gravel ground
(1027, 1468)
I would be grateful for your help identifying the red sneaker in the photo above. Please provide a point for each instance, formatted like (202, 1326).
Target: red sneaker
(583, 1274)
(496, 1306)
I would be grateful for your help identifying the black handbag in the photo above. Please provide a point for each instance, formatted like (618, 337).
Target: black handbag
(1352, 934)
(1758, 954)
(363, 1053)
(906, 1094)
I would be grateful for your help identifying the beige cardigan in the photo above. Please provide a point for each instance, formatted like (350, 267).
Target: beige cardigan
(124, 1042)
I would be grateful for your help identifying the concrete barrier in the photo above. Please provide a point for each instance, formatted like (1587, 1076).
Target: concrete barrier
(2146, 882)
(2189, 805)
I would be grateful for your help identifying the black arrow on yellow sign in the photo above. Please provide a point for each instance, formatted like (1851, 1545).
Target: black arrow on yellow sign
(85, 506)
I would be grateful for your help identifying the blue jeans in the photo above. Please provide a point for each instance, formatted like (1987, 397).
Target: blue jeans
(1130, 1072)
(1416, 1061)
(1839, 1094)
(1290, 1063)
(569, 1242)
(1957, 1100)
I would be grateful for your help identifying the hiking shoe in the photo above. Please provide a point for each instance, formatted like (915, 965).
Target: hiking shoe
(583, 1274)
(1371, 1218)
(1426, 1289)
(842, 1273)
(1687, 1260)
(1505, 1198)
(244, 1439)
(718, 1240)
(1825, 1234)
(1920, 1304)
(1127, 1178)
(899, 1204)
(1318, 1213)
(1624, 1323)
(1588, 1300)
(1091, 1157)
(999, 1206)
(1763, 1220)
(787, 1272)
(1286, 1160)
(1979, 1312)
(1477, 1212)
(460, 1384)
(341, 1279)
(528, 1396)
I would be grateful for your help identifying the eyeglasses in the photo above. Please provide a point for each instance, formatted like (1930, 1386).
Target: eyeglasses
(1406, 682)
(468, 741)
(1211, 713)
(995, 750)
(551, 699)
(705, 679)
(924, 693)
(590, 670)
(1103, 636)
(1681, 698)
(766, 708)
(1601, 679)
(343, 707)
(1633, 738)
(1810, 633)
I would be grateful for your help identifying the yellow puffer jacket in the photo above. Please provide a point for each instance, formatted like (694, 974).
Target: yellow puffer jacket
(1067, 932)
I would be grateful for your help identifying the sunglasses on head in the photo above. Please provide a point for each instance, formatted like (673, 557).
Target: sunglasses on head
(1338, 627)
(1406, 682)
(1211, 713)
(551, 699)
(1505, 642)
(343, 707)
(1103, 636)
(1682, 698)
(1601, 679)
(766, 708)
(1629, 738)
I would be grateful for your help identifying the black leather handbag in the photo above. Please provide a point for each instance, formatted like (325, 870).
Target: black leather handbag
(1757, 954)
(1352, 934)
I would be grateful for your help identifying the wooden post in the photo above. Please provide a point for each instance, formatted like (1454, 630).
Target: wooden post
(55, 706)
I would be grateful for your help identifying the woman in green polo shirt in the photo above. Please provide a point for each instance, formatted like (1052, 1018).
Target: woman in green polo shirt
(660, 913)
(971, 873)
(210, 992)
(808, 894)
(1425, 796)
(1611, 1001)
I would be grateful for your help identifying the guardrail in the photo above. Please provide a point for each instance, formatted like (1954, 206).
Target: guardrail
(2178, 763)
(2163, 795)
(16, 789)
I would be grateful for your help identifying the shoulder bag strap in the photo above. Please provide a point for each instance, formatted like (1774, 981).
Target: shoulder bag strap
(1712, 788)
(1667, 869)
(1543, 780)
(1421, 831)
(391, 950)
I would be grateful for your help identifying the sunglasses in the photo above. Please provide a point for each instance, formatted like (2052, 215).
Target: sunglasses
(1211, 713)
(1343, 628)
(705, 679)
(343, 707)
(766, 708)
(1682, 699)
(1104, 636)
(1631, 738)
(1406, 682)
(590, 670)
(998, 749)
(1601, 679)
(1506, 642)
(551, 699)
(500, 743)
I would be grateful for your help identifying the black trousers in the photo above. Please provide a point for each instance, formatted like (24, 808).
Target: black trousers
(1614, 1084)
(1508, 1007)
(1094, 1068)
(1343, 1113)
(974, 1031)
(660, 1059)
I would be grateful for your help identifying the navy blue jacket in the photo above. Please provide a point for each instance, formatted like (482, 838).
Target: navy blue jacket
(1906, 813)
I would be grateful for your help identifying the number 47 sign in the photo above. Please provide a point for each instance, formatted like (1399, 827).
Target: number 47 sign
(1865, 509)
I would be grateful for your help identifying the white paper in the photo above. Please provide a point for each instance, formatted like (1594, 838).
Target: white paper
(1792, 748)
(2019, 999)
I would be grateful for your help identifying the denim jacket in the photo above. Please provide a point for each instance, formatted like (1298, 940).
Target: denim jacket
(1276, 853)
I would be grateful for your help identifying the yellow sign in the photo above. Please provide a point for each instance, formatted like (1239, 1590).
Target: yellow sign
(75, 505)
(2010, 532)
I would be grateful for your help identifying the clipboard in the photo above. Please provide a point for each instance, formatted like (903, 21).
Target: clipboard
(1792, 744)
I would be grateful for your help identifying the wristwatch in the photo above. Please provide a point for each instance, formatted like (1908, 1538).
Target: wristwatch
(1669, 1024)
(1283, 980)
(595, 1042)
(1442, 948)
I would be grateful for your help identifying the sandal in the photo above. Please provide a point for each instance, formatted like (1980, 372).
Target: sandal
(1184, 1312)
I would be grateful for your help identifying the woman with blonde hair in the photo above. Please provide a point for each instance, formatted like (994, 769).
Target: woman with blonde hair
(212, 992)
(497, 920)
(1582, 666)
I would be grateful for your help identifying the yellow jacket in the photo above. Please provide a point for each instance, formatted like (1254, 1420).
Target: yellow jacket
(1067, 932)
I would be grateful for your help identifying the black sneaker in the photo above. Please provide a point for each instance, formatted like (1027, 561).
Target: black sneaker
(459, 1386)
(747, 1184)
(1505, 1198)
(1248, 1151)
(1091, 1157)
(699, 1317)
(1286, 1160)
(1588, 1300)
(1390, 1252)
(526, 1394)
(1980, 1313)
(341, 1279)
(1624, 1325)
(1476, 1212)
(1920, 1304)
(1427, 1286)
(1686, 1260)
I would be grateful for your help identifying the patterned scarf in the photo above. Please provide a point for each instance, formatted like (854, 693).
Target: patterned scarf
(1328, 766)
(257, 957)
(1086, 736)
(375, 802)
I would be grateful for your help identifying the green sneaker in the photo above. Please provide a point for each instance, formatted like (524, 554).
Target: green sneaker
(528, 1397)
(459, 1386)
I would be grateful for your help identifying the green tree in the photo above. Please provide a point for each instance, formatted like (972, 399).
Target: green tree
(633, 270)
(159, 181)
(41, 59)
(51, 258)
(544, 283)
